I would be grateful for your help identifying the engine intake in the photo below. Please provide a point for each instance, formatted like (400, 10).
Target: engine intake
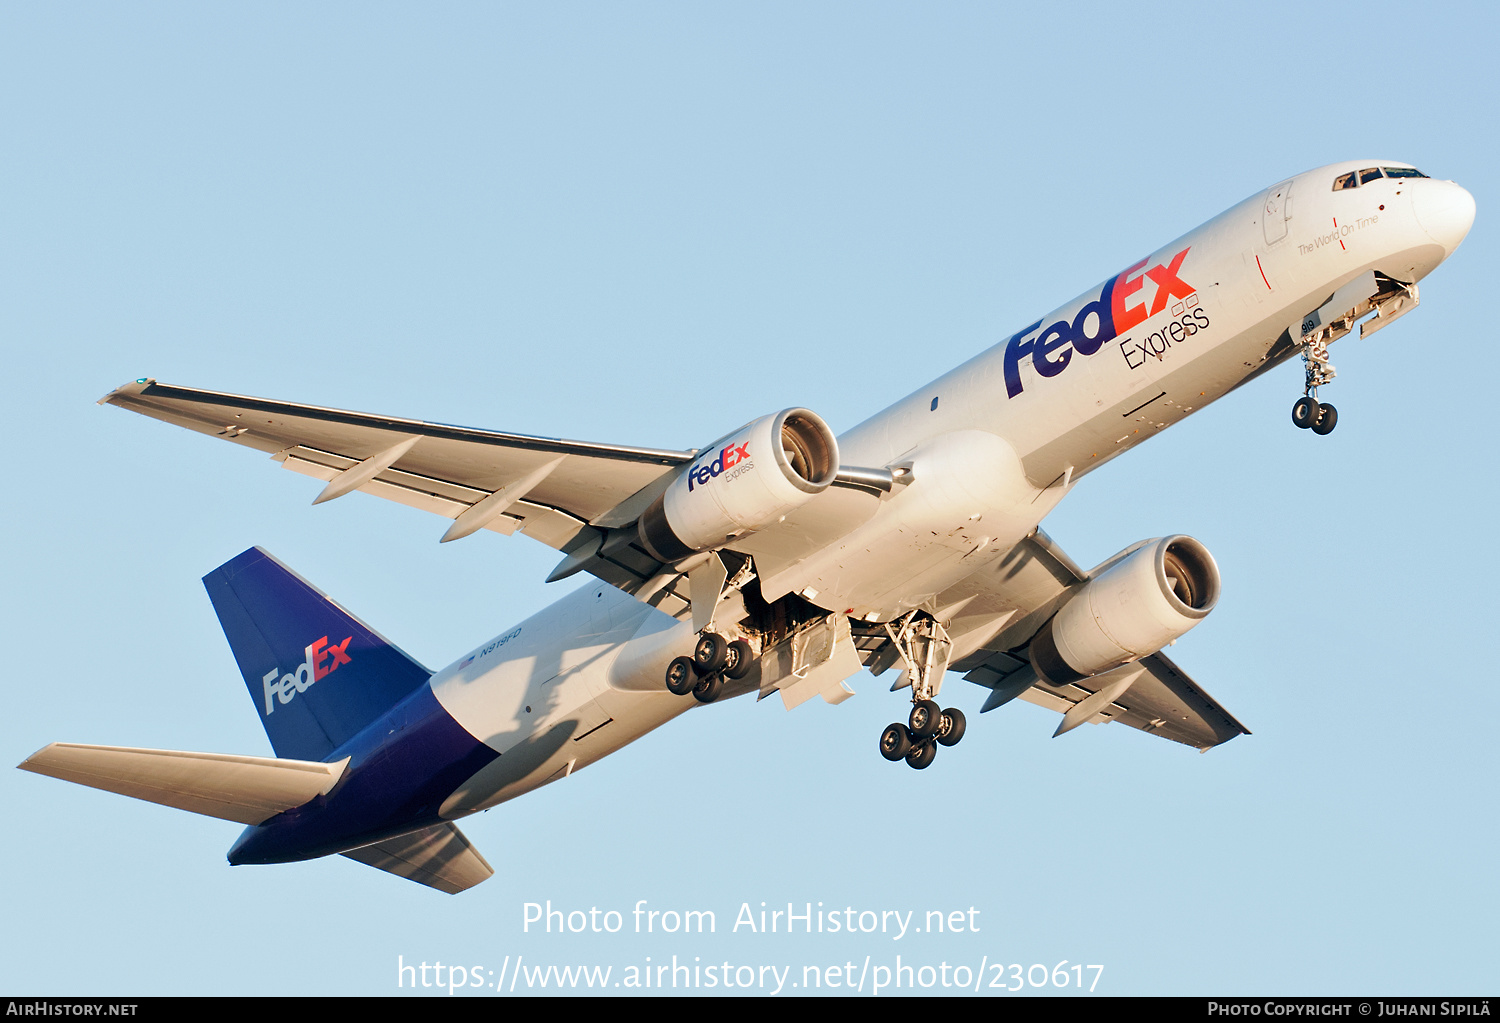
(1133, 605)
(742, 483)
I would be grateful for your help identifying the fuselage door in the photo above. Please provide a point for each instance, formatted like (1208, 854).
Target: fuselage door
(1276, 211)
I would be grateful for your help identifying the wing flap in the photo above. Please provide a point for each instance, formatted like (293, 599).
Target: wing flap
(249, 790)
(439, 857)
(1165, 701)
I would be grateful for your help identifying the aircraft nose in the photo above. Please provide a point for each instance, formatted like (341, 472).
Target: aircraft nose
(1445, 211)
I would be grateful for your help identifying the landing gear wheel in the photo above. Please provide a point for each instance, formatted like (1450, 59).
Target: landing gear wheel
(707, 689)
(681, 678)
(895, 742)
(926, 717)
(1328, 418)
(740, 659)
(710, 653)
(951, 727)
(1305, 412)
(921, 755)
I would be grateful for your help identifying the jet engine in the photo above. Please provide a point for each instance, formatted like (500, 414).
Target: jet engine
(1133, 605)
(742, 483)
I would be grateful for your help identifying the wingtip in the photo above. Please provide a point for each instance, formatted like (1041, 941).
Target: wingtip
(29, 764)
(135, 386)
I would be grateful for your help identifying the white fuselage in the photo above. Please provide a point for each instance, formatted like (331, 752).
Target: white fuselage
(992, 446)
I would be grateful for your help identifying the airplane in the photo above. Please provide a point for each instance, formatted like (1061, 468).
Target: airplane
(779, 558)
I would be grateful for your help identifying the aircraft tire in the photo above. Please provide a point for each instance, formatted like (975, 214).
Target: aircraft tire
(895, 742)
(708, 687)
(1305, 412)
(926, 718)
(740, 659)
(922, 755)
(952, 727)
(1328, 418)
(710, 653)
(681, 678)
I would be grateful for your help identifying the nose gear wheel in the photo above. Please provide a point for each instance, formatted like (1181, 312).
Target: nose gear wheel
(1328, 417)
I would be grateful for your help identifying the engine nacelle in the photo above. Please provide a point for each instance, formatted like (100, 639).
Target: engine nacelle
(1134, 605)
(742, 483)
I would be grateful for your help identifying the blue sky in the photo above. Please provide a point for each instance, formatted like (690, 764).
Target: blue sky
(648, 224)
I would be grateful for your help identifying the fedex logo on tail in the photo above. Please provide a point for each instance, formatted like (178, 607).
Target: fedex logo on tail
(1118, 308)
(322, 659)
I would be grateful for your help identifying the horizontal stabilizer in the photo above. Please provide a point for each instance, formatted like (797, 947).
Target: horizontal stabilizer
(439, 857)
(249, 790)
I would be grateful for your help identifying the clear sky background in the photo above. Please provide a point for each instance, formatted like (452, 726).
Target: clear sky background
(647, 224)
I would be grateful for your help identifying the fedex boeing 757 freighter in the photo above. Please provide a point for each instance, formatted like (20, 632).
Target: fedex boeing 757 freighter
(780, 558)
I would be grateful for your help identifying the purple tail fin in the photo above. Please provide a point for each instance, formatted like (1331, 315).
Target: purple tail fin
(316, 674)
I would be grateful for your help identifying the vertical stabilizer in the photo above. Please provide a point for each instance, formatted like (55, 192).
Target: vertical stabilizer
(316, 674)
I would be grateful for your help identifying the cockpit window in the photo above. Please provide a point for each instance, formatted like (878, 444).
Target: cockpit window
(1363, 177)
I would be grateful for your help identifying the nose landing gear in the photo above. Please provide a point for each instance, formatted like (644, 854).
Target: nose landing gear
(1308, 413)
(1371, 292)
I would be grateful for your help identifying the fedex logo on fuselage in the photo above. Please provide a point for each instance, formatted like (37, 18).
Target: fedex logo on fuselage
(322, 659)
(728, 458)
(1116, 310)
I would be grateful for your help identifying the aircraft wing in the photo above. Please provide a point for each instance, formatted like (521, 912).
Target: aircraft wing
(550, 489)
(1006, 604)
(1152, 694)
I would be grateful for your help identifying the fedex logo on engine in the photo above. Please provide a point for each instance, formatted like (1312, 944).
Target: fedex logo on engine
(322, 659)
(735, 456)
(1116, 310)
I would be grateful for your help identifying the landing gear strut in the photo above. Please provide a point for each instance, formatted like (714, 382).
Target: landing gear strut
(923, 645)
(1308, 413)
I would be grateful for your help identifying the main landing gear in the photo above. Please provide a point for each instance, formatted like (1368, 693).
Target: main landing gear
(1308, 413)
(714, 659)
(923, 645)
(929, 728)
